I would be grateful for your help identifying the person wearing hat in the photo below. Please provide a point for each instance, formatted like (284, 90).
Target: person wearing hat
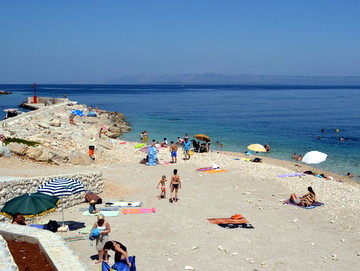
(104, 229)
(92, 208)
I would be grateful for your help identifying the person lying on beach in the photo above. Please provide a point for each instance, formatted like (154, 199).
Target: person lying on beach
(257, 160)
(162, 186)
(306, 200)
(120, 251)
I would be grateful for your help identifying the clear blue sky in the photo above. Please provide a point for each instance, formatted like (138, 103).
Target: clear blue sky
(93, 41)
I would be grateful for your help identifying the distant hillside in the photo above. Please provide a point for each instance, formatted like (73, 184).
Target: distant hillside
(223, 79)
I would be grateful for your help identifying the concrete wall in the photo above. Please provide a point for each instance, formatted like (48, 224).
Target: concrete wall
(44, 99)
(52, 244)
(12, 188)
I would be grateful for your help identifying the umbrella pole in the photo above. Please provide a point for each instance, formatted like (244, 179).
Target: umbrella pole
(63, 223)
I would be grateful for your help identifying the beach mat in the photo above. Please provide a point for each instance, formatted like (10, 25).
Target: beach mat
(291, 175)
(204, 168)
(39, 226)
(101, 209)
(215, 170)
(227, 221)
(138, 211)
(73, 238)
(236, 226)
(312, 206)
(105, 213)
(85, 230)
(123, 203)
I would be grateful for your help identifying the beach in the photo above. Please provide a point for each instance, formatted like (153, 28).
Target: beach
(178, 236)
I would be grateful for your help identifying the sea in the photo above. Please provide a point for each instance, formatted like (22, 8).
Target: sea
(291, 119)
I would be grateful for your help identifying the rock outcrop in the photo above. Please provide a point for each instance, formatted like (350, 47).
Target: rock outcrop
(61, 141)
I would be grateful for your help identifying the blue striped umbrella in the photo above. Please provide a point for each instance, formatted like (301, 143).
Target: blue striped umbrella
(61, 187)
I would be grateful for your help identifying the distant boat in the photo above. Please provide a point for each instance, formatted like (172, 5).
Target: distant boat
(5, 92)
(12, 112)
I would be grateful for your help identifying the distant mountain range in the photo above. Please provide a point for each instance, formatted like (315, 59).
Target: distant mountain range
(237, 79)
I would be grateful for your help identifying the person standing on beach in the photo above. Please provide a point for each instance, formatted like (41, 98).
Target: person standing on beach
(186, 149)
(175, 184)
(162, 186)
(173, 150)
(104, 228)
(267, 147)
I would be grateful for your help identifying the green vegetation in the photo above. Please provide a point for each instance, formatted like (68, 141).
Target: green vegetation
(19, 140)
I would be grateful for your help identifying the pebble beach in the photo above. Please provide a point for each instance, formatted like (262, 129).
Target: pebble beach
(178, 235)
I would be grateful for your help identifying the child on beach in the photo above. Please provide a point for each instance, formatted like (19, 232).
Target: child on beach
(162, 186)
(175, 184)
(92, 208)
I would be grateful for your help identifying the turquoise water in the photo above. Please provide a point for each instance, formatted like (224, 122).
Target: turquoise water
(288, 118)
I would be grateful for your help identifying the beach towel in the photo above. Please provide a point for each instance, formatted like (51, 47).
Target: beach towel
(73, 238)
(215, 170)
(204, 169)
(123, 203)
(85, 230)
(229, 223)
(312, 206)
(138, 211)
(101, 209)
(38, 226)
(165, 163)
(236, 226)
(291, 175)
(105, 213)
(227, 220)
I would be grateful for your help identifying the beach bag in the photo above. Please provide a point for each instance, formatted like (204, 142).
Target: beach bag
(52, 225)
(122, 266)
(91, 196)
(94, 234)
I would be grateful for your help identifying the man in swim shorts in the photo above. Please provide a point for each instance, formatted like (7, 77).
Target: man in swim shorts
(187, 149)
(173, 150)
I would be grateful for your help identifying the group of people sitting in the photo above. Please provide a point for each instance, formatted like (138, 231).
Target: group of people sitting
(200, 148)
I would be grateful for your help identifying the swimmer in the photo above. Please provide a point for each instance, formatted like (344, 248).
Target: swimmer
(349, 175)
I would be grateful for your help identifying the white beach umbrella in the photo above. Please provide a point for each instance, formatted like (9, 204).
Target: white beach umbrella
(61, 187)
(314, 157)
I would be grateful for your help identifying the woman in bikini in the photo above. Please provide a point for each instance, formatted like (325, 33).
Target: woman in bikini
(306, 200)
(175, 184)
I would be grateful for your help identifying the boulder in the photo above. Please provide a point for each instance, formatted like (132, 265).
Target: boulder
(34, 153)
(4, 151)
(43, 125)
(17, 148)
(55, 122)
(105, 144)
(79, 158)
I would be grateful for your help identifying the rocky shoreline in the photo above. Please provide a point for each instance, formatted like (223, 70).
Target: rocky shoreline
(61, 142)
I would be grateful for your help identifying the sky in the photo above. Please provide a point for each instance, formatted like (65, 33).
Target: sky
(92, 41)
